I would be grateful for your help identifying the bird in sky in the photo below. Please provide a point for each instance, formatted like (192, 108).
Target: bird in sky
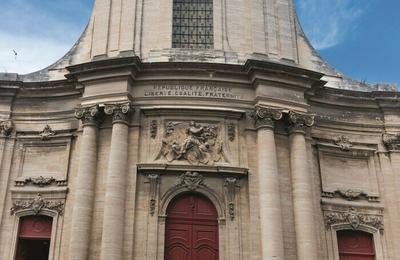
(15, 54)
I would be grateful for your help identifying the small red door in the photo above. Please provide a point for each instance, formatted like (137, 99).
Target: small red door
(191, 231)
(34, 238)
(355, 245)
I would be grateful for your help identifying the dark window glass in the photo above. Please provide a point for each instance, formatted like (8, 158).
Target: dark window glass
(192, 25)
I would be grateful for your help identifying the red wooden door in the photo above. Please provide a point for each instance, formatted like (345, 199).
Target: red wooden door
(34, 238)
(355, 245)
(191, 231)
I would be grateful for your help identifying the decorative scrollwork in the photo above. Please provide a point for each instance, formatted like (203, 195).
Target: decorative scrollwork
(37, 205)
(231, 184)
(119, 112)
(153, 129)
(153, 180)
(46, 133)
(6, 128)
(354, 219)
(265, 116)
(231, 132)
(191, 181)
(90, 115)
(343, 142)
(392, 141)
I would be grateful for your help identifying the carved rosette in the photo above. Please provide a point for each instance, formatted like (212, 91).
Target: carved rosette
(231, 185)
(46, 133)
(6, 128)
(343, 142)
(391, 141)
(37, 205)
(298, 122)
(191, 180)
(354, 218)
(89, 115)
(120, 112)
(265, 117)
(153, 180)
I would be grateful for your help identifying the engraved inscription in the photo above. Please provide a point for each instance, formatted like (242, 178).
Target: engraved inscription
(205, 91)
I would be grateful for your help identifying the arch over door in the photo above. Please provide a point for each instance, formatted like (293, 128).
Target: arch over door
(355, 245)
(191, 231)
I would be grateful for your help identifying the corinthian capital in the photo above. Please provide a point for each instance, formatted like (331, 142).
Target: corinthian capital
(298, 122)
(89, 115)
(119, 112)
(265, 116)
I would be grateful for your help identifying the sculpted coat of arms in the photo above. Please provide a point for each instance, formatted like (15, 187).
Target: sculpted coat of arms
(192, 142)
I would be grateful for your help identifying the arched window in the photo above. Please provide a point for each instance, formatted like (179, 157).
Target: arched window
(191, 230)
(192, 25)
(355, 245)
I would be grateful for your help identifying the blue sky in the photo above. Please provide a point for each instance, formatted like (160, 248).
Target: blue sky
(361, 38)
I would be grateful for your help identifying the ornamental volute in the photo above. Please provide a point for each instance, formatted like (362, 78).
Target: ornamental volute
(265, 117)
(90, 116)
(298, 122)
(119, 112)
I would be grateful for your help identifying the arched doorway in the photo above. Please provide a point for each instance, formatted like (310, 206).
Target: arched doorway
(191, 230)
(355, 245)
(34, 238)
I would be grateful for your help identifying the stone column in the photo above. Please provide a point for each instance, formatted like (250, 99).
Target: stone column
(268, 184)
(81, 220)
(114, 203)
(306, 240)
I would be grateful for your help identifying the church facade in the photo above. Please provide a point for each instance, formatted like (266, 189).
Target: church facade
(197, 129)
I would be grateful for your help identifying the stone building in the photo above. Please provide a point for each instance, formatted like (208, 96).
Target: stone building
(197, 129)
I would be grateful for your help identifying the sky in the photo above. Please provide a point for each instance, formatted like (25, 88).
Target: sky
(360, 38)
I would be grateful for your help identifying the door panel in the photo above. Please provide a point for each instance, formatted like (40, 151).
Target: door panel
(191, 231)
(355, 245)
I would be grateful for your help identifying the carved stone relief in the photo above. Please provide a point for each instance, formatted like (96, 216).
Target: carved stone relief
(265, 116)
(192, 142)
(231, 185)
(153, 180)
(191, 181)
(153, 129)
(392, 141)
(46, 133)
(343, 142)
(6, 128)
(354, 218)
(231, 132)
(37, 205)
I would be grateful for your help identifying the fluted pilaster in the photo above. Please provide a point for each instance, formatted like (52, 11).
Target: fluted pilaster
(114, 204)
(268, 184)
(81, 221)
(301, 187)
